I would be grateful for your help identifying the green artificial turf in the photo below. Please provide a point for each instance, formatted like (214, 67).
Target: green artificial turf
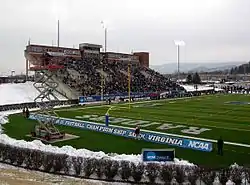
(212, 112)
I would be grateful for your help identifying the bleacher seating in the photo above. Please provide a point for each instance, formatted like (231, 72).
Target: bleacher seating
(115, 77)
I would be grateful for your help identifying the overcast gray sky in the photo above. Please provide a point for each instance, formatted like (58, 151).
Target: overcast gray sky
(214, 30)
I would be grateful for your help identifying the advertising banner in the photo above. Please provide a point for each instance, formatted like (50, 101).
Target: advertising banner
(81, 100)
(95, 98)
(158, 155)
(149, 136)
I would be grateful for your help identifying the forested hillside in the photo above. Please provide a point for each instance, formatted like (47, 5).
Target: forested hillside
(241, 69)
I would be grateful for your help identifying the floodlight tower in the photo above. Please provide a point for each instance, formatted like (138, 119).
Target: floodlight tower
(178, 43)
(105, 50)
(129, 82)
(104, 26)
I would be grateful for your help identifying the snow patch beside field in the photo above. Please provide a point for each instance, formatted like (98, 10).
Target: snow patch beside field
(19, 93)
(69, 150)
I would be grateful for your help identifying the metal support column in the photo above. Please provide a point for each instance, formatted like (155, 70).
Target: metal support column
(46, 99)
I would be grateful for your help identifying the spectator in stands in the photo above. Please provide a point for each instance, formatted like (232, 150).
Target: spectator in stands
(220, 144)
(89, 78)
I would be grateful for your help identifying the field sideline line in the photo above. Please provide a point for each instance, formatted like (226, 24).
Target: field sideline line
(175, 135)
(189, 137)
(139, 102)
(168, 134)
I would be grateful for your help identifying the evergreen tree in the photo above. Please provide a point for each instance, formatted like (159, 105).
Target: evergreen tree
(241, 69)
(196, 78)
(232, 71)
(244, 68)
(189, 79)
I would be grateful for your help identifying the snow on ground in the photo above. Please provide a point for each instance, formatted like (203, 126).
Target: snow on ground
(21, 93)
(191, 88)
(38, 145)
(18, 176)
(18, 93)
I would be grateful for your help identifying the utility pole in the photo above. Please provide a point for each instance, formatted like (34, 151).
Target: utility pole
(58, 34)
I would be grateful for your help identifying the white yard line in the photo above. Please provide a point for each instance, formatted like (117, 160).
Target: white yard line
(132, 103)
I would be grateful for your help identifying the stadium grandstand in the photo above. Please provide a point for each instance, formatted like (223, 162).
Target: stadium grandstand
(88, 71)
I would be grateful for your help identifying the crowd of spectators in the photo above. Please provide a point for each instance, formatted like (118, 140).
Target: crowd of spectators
(236, 88)
(96, 75)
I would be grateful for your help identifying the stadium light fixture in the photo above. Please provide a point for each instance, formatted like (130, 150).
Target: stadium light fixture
(58, 33)
(105, 50)
(12, 72)
(178, 43)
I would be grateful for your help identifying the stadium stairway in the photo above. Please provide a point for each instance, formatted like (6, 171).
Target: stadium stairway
(125, 73)
(145, 74)
(65, 90)
(74, 74)
(102, 73)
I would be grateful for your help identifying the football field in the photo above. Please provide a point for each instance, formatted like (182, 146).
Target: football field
(206, 118)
